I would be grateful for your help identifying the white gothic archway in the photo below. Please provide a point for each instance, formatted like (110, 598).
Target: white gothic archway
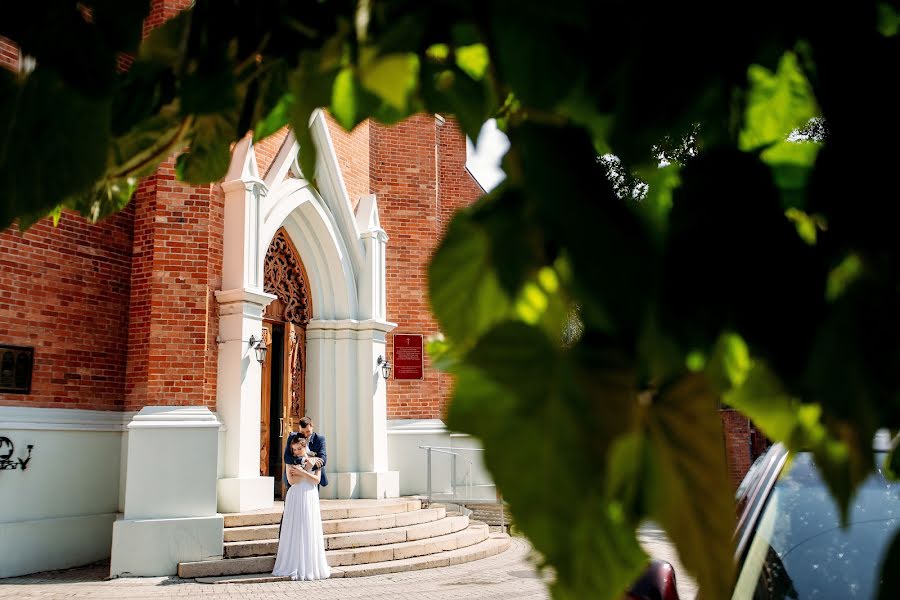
(343, 254)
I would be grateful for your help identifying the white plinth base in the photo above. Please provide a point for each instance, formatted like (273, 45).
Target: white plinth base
(154, 547)
(381, 484)
(47, 544)
(239, 494)
(384, 484)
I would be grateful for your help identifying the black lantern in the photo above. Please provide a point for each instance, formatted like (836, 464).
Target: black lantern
(385, 366)
(261, 349)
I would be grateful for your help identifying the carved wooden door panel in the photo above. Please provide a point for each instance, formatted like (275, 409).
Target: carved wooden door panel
(265, 404)
(296, 380)
(285, 399)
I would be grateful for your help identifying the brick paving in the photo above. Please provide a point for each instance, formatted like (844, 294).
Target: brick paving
(507, 576)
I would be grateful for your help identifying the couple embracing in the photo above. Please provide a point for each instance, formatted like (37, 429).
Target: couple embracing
(301, 545)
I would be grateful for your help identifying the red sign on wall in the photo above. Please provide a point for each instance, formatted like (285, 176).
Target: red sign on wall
(408, 360)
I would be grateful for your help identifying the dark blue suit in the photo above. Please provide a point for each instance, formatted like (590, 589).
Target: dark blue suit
(315, 444)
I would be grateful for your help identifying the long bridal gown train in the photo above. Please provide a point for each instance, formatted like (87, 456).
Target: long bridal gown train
(301, 546)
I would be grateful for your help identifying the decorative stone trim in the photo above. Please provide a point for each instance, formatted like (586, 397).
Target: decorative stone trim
(63, 419)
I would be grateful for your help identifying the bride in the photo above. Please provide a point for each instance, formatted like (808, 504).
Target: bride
(301, 546)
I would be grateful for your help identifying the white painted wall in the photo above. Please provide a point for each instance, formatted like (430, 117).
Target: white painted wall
(405, 436)
(59, 512)
(170, 497)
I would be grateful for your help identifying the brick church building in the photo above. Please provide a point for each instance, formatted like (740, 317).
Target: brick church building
(203, 321)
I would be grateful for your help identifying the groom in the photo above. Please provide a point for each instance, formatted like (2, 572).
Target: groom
(315, 449)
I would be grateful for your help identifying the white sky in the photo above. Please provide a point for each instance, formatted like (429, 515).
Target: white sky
(483, 158)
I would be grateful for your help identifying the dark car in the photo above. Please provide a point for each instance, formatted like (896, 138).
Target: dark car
(790, 543)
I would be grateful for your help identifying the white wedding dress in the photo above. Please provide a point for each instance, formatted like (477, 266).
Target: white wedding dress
(301, 546)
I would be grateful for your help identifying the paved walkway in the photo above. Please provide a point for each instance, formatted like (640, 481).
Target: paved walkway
(507, 576)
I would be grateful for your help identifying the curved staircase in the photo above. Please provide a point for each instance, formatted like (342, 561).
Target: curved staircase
(362, 537)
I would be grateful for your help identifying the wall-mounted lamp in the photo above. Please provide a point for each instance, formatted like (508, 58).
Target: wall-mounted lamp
(260, 347)
(386, 366)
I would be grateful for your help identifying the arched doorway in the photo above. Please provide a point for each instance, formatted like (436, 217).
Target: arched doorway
(283, 394)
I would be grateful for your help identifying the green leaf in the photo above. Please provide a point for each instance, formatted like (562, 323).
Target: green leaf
(888, 19)
(777, 103)
(464, 288)
(807, 225)
(54, 145)
(730, 363)
(516, 241)
(210, 150)
(655, 206)
(449, 90)
(792, 165)
(613, 262)
(568, 517)
(719, 275)
(763, 398)
(166, 44)
(148, 142)
(392, 77)
(689, 493)
(209, 92)
(311, 89)
(278, 117)
(527, 39)
(473, 60)
(843, 275)
(508, 354)
(345, 98)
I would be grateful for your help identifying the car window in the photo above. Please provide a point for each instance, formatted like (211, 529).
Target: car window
(799, 550)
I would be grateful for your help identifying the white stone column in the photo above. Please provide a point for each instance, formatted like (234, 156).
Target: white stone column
(372, 292)
(241, 305)
(376, 480)
(346, 399)
(238, 401)
(170, 495)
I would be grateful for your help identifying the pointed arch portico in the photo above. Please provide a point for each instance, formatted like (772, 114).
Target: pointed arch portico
(343, 254)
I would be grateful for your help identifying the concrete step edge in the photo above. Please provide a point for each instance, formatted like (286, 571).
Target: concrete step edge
(273, 516)
(387, 552)
(488, 547)
(495, 544)
(354, 539)
(248, 533)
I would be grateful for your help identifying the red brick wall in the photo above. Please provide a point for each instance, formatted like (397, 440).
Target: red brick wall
(9, 54)
(736, 428)
(417, 170)
(216, 232)
(161, 11)
(353, 151)
(267, 149)
(173, 310)
(64, 290)
(457, 188)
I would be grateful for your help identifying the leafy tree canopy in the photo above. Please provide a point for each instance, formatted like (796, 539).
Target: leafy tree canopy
(755, 269)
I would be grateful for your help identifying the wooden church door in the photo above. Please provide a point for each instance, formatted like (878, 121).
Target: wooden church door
(284, 370)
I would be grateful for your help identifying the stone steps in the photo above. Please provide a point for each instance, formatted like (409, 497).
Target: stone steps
(358, 539)
(459, 539)
(492, 546)
(334, 526)
(362, 537)
(238, 565)
(331, 511)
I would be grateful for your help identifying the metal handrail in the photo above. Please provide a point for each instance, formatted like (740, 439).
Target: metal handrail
(450, 451)
(445, 450)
